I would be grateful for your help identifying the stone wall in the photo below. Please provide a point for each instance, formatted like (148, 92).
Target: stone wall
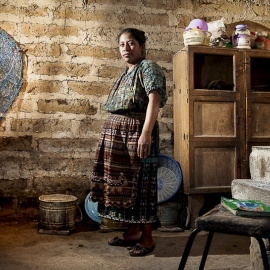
(49, 136)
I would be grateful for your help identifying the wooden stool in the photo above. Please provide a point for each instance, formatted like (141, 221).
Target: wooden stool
(223, 221)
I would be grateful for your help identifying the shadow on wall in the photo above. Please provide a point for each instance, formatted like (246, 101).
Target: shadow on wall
(20, 97)
(253, 27)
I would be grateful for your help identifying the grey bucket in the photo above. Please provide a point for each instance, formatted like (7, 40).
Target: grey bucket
(58, 212)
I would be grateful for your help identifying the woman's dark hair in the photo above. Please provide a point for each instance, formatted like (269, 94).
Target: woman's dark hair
(136, 33)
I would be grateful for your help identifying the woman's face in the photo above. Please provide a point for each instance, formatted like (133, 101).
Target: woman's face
(130, 49)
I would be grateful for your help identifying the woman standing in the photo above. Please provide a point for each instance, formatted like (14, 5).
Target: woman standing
(124, 180)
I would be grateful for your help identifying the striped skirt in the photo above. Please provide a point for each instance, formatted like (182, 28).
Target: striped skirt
(124, 185)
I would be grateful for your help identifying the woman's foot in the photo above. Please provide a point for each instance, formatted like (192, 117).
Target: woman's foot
(125, 240)
(140, 250)
(146, 245)
(116, 241)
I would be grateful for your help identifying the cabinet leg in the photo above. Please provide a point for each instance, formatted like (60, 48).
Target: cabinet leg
(195, 204)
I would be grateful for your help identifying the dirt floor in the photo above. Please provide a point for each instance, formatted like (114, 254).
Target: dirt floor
(22, 247)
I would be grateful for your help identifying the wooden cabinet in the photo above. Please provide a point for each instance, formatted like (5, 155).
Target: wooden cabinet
(221, 109)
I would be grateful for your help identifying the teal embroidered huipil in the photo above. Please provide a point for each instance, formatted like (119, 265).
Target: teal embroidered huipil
(131, 91)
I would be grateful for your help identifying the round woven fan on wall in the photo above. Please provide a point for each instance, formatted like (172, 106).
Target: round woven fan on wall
(11, 71)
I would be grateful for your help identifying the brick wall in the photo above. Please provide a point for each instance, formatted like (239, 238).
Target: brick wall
(49, 136)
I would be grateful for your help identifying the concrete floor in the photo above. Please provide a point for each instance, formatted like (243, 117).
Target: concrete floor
(22, 247)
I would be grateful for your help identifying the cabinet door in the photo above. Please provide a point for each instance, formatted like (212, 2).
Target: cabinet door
(216, 94)
(217, 118)
(258, 98)
(213, 166)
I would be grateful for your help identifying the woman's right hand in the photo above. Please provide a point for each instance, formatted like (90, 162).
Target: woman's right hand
(144, 145)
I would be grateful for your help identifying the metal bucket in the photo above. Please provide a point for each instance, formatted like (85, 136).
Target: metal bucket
(168, 214)
(58, 212)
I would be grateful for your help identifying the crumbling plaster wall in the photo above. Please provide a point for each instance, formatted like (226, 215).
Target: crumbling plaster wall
(49, 136)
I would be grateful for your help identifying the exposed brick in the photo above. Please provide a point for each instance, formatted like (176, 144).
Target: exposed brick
(165, 127)
(184, 20)
(165, 146)
(114, 2)
(3, 125)
(167, 111)
(76, 14)
(234, 7)
(78, 185)
(38, 30)
(40, 125)
(108, 16)
(42, 49)
(259, 11)
(53, 163)
(105, 34)
(89, 88)
(59, 165)
(168, 74)
(10, 166)
(7, 9)
(41, 86)
(23, 105)
(9, 27)
(159, 55)
(84, 15)
(162, 40)
(161, 4)
(262, 25)
(13, 186)
(65, 145)
(89, 124)
(67, 106)
(91, 51)
(69, 69)
(110, 72)
(21, 143)
(169, 91)
(34, 10)
(31, 11)
(146, 19)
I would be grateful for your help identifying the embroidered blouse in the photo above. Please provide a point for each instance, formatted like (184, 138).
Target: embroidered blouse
(131, 90)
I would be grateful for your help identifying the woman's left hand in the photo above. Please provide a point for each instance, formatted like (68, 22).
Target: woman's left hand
(144, 145)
